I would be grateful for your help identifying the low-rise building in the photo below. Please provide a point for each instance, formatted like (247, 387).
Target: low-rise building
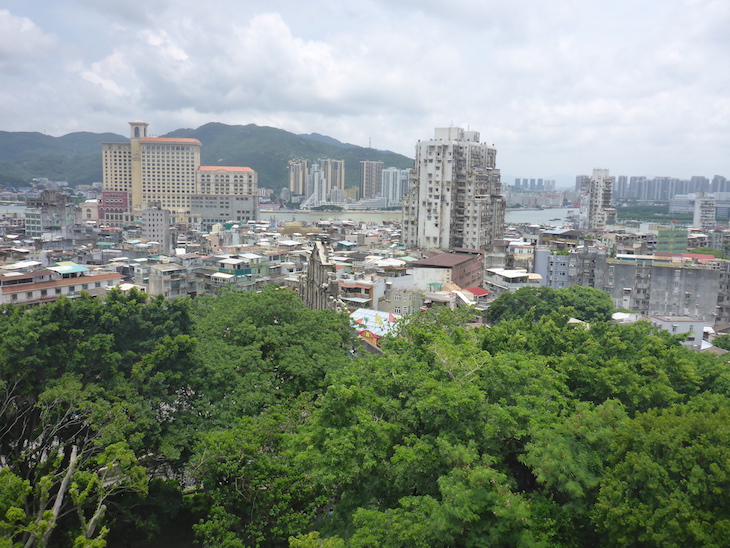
(503, 280)
(463, 268)
(692, 328)
(47, 285)
(169, 280)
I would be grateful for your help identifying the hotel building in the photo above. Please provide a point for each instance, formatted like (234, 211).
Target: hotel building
(165, 172)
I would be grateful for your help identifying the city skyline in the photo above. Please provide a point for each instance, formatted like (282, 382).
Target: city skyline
(646, 96)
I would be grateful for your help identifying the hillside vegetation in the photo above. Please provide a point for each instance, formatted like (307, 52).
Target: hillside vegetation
(76, 157)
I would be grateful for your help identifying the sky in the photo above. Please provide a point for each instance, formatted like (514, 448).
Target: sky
(640, 87)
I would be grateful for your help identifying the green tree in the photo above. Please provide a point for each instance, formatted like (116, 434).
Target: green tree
(722, 341)
(253, 493)
(586, 303)
(515, 305)
(256, 349)
(83, 392)
(390, 433)
(668, 478)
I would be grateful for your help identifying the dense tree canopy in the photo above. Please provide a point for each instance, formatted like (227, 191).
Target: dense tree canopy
(248, 416)
(586, 303)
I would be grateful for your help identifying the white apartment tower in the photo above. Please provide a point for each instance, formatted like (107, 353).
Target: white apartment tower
(455, 195)
(705, 212)
(315, 188)
(395, 185)
(596, 193)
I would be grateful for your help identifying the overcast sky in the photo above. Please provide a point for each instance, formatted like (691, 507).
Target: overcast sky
(641, 87)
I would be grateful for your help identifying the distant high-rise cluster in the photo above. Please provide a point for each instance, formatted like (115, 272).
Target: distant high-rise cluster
(318, 183)
(313, 184)
(537, 185)
(298, 171)
(334, 173)
(661, 189)
(455, 196)
(165, 172)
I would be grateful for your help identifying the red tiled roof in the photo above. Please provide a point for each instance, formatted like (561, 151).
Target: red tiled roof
(225, 168)
(477, 291)
(179, 140)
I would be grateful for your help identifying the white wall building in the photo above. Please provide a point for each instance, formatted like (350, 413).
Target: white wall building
(705, 212)
(395, 185)
(156, 227)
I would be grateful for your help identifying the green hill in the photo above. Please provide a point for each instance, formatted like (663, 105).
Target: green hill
(76, 157)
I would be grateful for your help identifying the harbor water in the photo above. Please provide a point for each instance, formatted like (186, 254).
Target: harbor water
(550, 217)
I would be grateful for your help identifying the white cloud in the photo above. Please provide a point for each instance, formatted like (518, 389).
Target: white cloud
(21, 43)
(558, 87)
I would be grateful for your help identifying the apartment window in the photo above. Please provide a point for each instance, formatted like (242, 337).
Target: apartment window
(29, 295)
(58, 291)
(14, 297)
(397, 310)
(44, 292)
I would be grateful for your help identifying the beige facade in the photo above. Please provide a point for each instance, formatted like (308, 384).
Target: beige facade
(154, 170)
(334, 173)
(165, 172)
(298, 170)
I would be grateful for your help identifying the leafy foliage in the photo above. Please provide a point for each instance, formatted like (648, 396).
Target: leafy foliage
(247, 415)
(586, 303)
(722, 341)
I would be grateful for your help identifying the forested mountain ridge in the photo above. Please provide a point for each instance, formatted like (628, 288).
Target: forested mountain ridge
(534, 432)
(76, 157)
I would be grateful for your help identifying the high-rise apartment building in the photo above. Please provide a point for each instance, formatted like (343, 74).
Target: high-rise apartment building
(371, 178)
(455, 195)
(334, 173)
(165, 172)
(395, 185)
(704, 212)
(595, 201)
(298, 170)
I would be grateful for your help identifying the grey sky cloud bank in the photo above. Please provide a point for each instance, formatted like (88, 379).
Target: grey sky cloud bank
(640, 87)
